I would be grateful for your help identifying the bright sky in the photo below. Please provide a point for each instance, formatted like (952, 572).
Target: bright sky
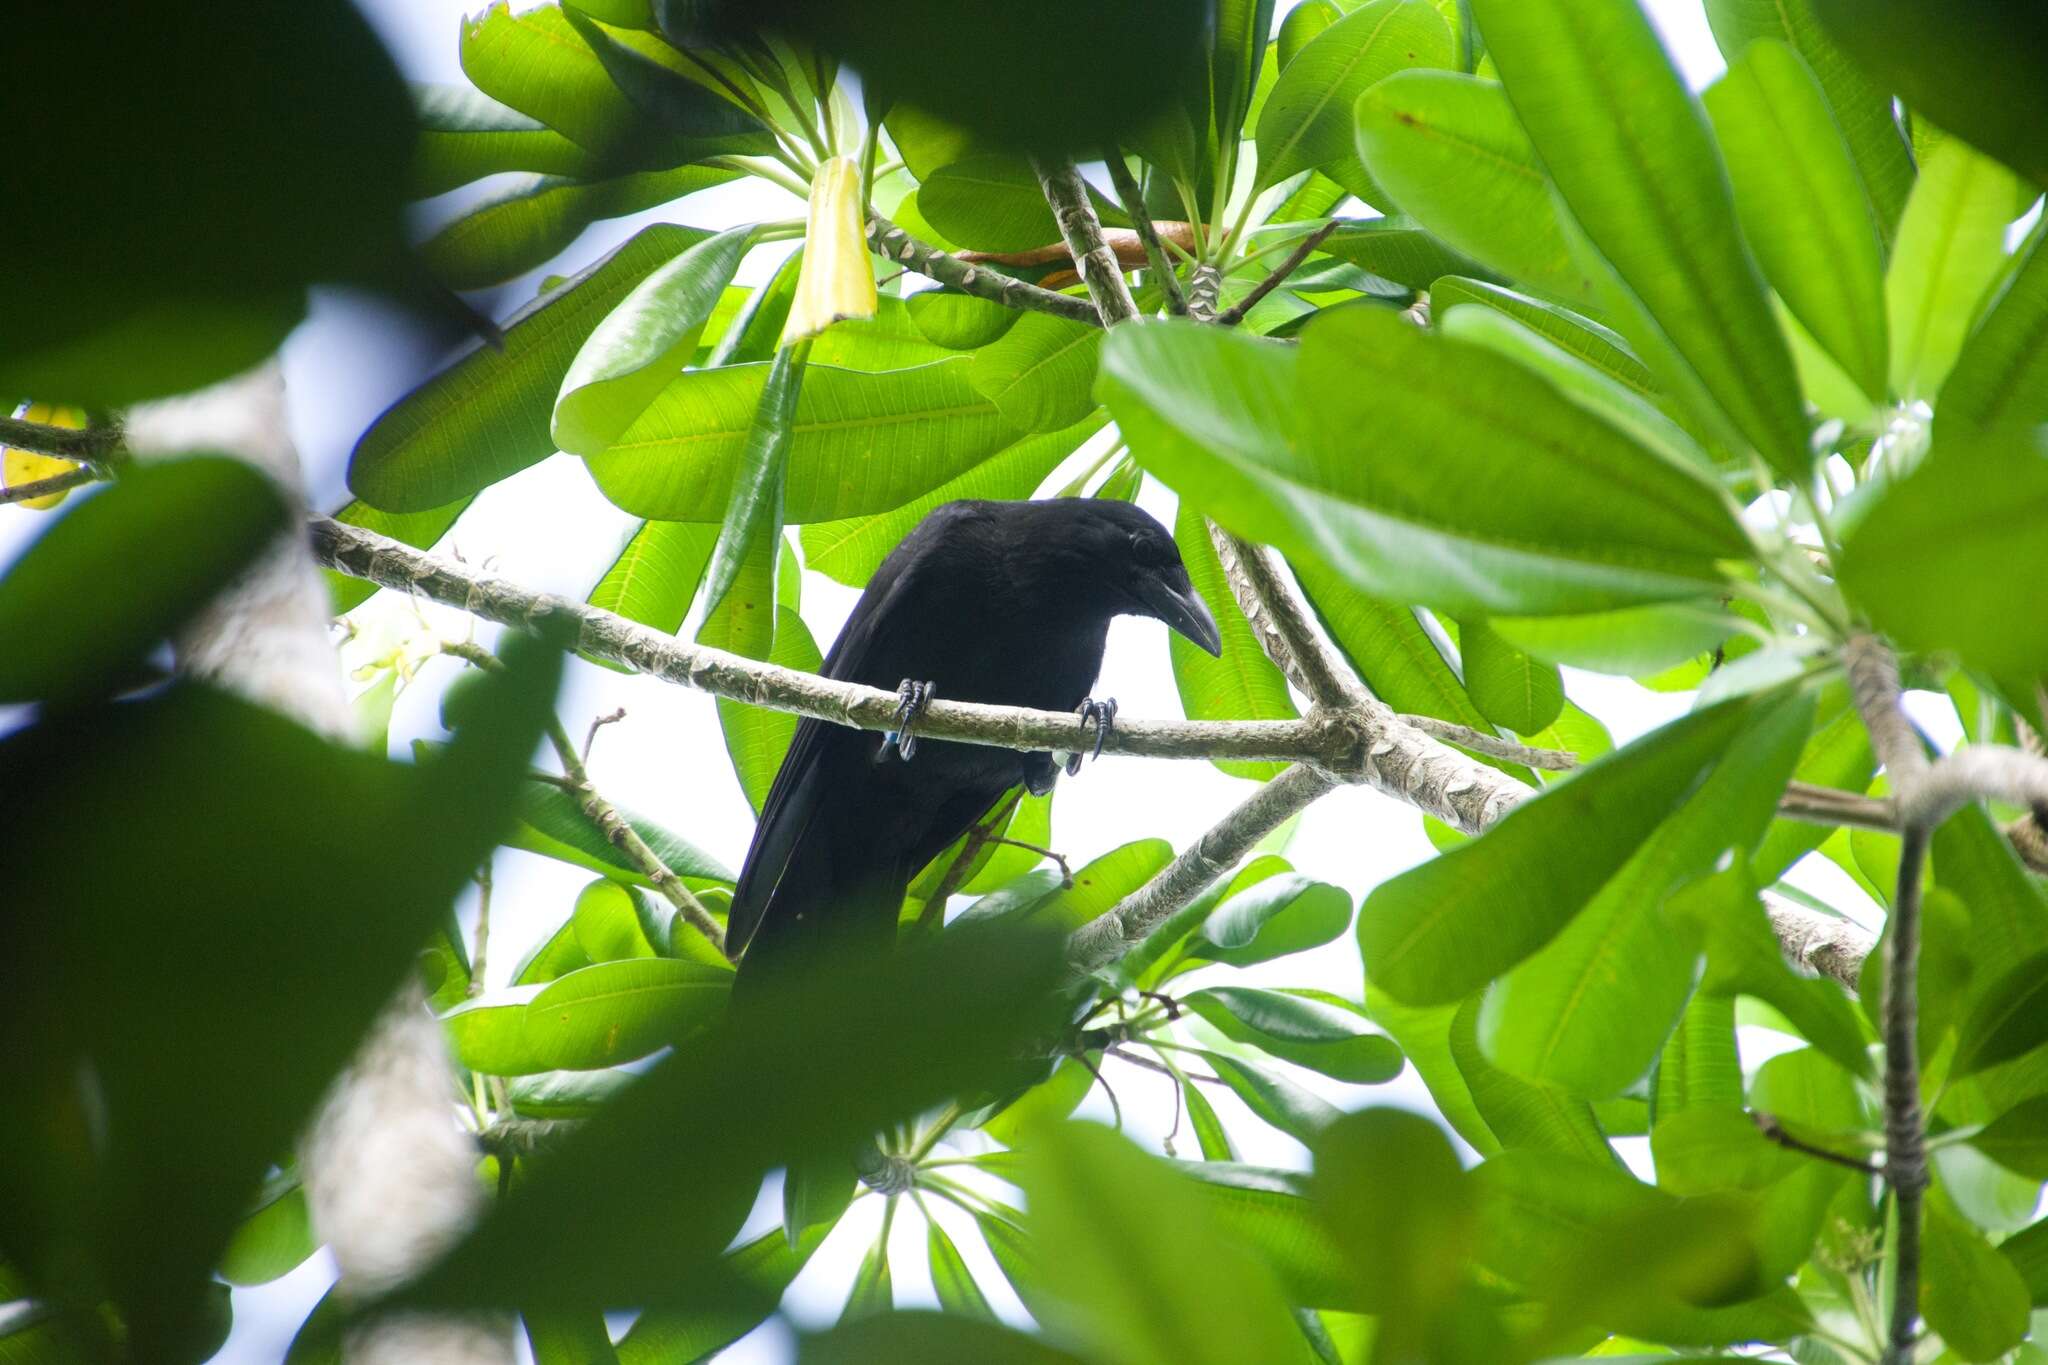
(550, 529)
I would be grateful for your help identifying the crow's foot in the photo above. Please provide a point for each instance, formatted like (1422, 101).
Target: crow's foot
(912, 697)
(1103, 715)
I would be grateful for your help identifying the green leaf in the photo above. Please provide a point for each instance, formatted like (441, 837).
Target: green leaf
(570, 1339)
(532, 221)
(1306, 123)
(566, 1094)
(643, 343)
(607, 923)
(487, 416)
(1396, 248)
(1210, 1135)
(1388, 1186)
(989, 202)
(1598, 346)
(1972, 1296)
(1434, 933)
(1801, 206)
(1097, 886)
(1449, 150)
(1040, 373)
(247, 1023)
(887, 341)
(1239, 684)
(2010, 1017)
(1837, 755)
(2001, 376)
(1112, 1226)
(1425, 1035)
(1969, 516)
(908, 1337)
(755, 737)
(815, 1194)
(1699, 1066)
(417, 529)
(954, 1283)
(1970, 70)
(1050, 1101)
(1323, 1038)
(1630, 155)
(595, 1016)
(655, 577)
(556, 955)
(1862, 107)
(274, 1239)
(1633, 641)
(685, 115)
(752, 527)
(2018, 1139)
(1583, 518)
(465, 135)
(763, 1267)
(1590, 1010)
(2008, 906)
(959, 321)
(861, 443)
(1951, 247)
(1709, 1148)
(850, 550)
(1509, 688)
(202, 518)
(551, 823)
(1297, 1112)
(1273, 917)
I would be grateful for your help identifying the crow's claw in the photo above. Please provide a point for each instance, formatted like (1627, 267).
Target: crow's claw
(912, 697)
(1102, 714)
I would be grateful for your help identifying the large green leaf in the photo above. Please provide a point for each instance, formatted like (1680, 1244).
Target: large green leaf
(1239, 684)
(1582, 337)
(1973, 68)
(2008, 1018)
(959, 321)
(1510, 689)
(539, 64)
(1336, 1042)
(860, 443)
(1306, 122)
(203, 519)
(1861, 106)
(1449, 150)
(1389, 1187)
(1294, 1110)
(247, 1016)
(850, 550)
(1579, 517)
(2018, 1139)
(487, 416)
(1973, 1297)
(1801, 205)
(1950, 248)
(1436, 932)
(1590, 1010)
(530, 222)
(992, 202)
(1040, 373)
(686, 115)
(1384, 641)
(752, 527)
(2001, 376)
(596, 1016)
(655, 576)
(643, 343)
(274, 1239)
(755, 737)
(1521, 1114)
(1113, 1226)
(1968, 517)
(1270, 917)
(465, 135)
(1396, 248)
(1267, 1210)
(1630, 154)
(764, 1268)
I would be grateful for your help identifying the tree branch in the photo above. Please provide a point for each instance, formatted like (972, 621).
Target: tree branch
(604, 815)
(1874, 682)
(84, 444)
(1235, 313)
(1068, 194)
(1824, 944)
(1282, 622)
(1133, 196)
(56, 483)
(898, 245)
(1493, 746)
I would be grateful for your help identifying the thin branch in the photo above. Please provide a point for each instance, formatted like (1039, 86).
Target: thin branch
(1493, 746)
(590, 737)
(1111, 934)
(56, 483)
(891, 241)
(1833, 806)
(1283, 624)
(1133, 196)
(483, 930)
(1067, 192)
(957, 871)
(1773, 1131)
(605, 816)
(84, 444)
(1236, 312)
(1874, 682)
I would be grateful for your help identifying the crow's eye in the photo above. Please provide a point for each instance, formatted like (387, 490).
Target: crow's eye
(1153, 552)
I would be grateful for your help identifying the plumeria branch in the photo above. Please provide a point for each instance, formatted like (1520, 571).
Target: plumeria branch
(84, 444)
(898, 245)
(1236, 312)
(1100, 270)
(1133, 196)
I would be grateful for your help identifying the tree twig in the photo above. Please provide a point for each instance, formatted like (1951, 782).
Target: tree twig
(483, 930)
(898, 245)
(1133, 196)
(88, 445)
(590, 736)
(605, 816)
(1773, 1131)
(1067, 193)
(1493, 746)
(56, 483)
(1874, 682)
(1233, 315)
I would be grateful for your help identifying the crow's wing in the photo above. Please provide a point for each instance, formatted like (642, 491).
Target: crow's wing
(786, 865)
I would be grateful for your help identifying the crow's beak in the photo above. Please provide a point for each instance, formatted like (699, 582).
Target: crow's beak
(1184, 610)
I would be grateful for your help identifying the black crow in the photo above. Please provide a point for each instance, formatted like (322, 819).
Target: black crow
(1005, 602)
